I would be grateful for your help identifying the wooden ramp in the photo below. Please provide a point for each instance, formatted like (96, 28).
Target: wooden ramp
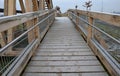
(63, 52)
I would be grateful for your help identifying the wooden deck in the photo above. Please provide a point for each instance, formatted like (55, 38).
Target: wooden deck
(63, 52)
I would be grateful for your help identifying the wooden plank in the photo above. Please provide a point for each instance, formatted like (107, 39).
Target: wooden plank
(40, 74)
(63, 53)
(73, 44)
(56, 56)
(63, 42)
(66, 74)
(65, 49)
(64, 58)
(67, 69)
(77, 47)
(64, 63)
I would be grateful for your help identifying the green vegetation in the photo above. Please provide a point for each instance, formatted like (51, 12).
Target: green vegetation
(110, 29)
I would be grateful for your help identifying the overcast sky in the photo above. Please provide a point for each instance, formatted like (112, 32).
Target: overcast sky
(108, 5)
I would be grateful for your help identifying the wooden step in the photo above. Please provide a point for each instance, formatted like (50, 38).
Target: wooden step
(66, 69)
(66, 74)
(64, 63)
(64, 53)
(64, 58)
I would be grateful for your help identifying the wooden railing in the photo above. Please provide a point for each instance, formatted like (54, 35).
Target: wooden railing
(27, 32)
(90, 25)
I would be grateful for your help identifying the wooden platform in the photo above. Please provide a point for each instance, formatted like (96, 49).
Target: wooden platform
(63, 52)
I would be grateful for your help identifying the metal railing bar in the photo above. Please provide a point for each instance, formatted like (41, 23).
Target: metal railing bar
(106, 53)
(20, 57)
(17, 59)
(9, 44)
(7, 65)
(98, 29)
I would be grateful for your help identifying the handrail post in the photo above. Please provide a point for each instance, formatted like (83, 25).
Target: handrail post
(89, 35)
(77, 18)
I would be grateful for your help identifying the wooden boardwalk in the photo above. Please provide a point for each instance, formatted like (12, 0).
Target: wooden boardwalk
(63, 52)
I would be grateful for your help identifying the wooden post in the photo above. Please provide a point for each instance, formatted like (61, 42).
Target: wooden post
(10, 9)
(5, 7)
(29, 8)
(89, 36)
(77, 19)
(2, 34)
(41, 5)
(35, 5)
(22, 6)
(36, 8)
(2, 39)
(29, 5)
(48, 4)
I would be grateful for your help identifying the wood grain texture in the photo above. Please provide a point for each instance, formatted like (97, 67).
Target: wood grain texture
(63, 52)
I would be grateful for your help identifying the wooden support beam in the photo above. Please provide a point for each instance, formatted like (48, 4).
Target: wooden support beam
(36, 8)
(5, 7)
(2, 34)
(29, 8)
(10, 9)
(22, 6)
(51, 4)
(41, 4)
(35, 5)
(2, 39)
(29, 5)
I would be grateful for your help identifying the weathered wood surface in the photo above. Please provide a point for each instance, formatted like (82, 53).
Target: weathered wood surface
(110, 18)
(63, 52)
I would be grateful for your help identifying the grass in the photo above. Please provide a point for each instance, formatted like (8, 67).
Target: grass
(112, 30)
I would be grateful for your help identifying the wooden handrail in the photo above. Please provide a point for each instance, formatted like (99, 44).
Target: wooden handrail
(23, 57)
(8, 22)
(110, 18)
(97, 43)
